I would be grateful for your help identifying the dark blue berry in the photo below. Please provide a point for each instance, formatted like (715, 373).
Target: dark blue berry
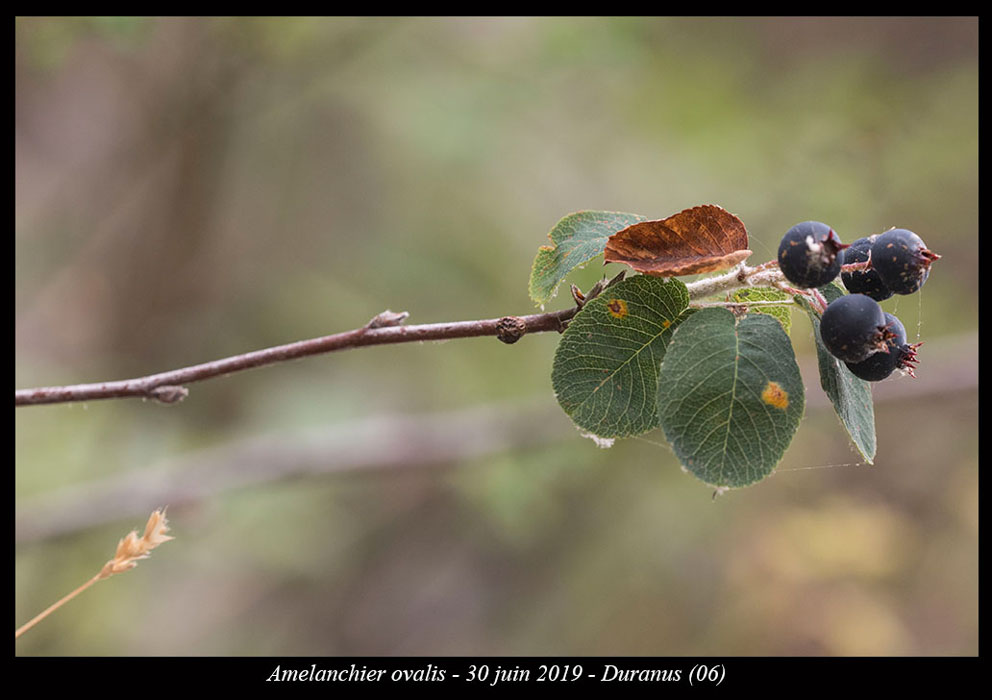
(808, 256)
(900, 355)
(853, 327)
(862, 281)
(902, 260)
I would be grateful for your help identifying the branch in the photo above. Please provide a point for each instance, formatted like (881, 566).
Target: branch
(395, 443)
(384, 329)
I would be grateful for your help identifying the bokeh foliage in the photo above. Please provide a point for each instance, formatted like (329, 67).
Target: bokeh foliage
(188, 189)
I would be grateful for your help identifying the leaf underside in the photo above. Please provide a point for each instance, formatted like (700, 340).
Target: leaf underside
(576, 239)
(783, 314)
(850, 396)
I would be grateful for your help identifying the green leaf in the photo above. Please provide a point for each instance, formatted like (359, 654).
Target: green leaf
(605, 372)
(577, 239)
(850, 396)
(783, 314)
(730, 396)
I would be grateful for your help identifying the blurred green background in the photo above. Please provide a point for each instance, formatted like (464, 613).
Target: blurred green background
(188, 189)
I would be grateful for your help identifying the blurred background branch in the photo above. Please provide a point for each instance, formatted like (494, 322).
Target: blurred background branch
(384, 443)
(378, 443)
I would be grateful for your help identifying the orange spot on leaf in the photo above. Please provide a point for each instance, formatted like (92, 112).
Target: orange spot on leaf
(775, 395)
(617, 308)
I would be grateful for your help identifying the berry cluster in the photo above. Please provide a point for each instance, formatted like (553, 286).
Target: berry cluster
(871, 342)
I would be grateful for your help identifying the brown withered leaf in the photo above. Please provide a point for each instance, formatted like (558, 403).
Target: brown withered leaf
(701, 239)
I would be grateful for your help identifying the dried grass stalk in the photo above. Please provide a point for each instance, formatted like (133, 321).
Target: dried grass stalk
(130, 550)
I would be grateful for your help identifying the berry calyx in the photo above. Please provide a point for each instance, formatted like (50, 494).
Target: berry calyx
(900, 355)
(808, 256)
(853, 327)
(902, 260)
(867, 281)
